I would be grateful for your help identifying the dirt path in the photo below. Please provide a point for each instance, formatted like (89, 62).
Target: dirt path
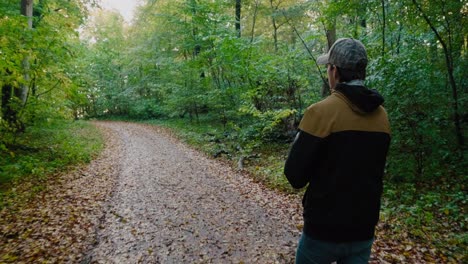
(173, 205)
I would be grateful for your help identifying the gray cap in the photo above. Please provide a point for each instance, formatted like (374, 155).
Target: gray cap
(346, 53)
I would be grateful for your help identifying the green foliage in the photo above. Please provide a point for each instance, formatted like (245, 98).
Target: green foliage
(46, 148)
(184, 58)
(39, 88)
(243, 97)
(204, 135)
(36, 67)
(424, 143)
(425, 213)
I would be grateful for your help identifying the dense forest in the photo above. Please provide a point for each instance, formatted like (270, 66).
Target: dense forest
(247, 70)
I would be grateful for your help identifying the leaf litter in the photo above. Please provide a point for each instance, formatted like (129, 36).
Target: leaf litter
(150, 199)
(57, 224)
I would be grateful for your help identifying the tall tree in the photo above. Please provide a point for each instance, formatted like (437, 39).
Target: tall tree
(27, 11)
(275, 14)
(238, 17)
(384, 21)
(445, 25)
(254, 20)
(12, 95)
(38, 41)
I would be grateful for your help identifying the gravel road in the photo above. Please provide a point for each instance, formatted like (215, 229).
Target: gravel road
(172, 204)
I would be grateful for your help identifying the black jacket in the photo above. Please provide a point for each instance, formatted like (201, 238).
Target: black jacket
(340, 151)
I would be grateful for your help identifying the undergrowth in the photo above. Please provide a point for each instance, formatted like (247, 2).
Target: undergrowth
(44, 150)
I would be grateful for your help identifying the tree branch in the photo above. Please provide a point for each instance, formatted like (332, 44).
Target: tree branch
(307, 48)
(453, 84)
(55, 86)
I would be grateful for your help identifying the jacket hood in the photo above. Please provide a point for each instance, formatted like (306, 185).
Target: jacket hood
(362, 100)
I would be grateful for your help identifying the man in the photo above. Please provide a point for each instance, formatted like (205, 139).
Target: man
(340, 152)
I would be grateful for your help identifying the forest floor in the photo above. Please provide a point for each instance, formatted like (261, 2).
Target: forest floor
(150, 199)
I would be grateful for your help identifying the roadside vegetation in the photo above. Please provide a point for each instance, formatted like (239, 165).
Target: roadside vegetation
(43, 151)
(40, 93)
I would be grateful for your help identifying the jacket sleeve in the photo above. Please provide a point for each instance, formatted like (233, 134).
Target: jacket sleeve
(302, 159)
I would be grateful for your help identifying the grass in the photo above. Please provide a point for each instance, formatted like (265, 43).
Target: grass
(46, 149)
(433, 214)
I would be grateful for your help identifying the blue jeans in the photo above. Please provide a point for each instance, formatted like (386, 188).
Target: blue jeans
(311, 251)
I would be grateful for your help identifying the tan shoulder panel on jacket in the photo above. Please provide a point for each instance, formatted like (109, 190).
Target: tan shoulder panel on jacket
(317, 119)
(376, 121)
(334, 114)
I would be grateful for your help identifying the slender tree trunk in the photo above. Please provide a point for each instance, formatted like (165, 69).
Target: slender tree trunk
(195, 110)
(398, 44)
(238, 17)
(8, 113)
(330, 32)
(254, 19)
(275, 35)
(197, 47)
(26, 10)
(331, 36)
(384, 23)
(449, 62)
(275, 26)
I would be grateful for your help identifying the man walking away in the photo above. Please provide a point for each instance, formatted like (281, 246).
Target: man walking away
(340, 153)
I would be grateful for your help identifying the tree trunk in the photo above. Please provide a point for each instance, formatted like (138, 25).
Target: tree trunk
(26, 10)
(331, 36)
(196, 48)
(330, 32)
(398, 44)
(238, 17)
(275, 26)
(448, 52)
(383, 27)
(8, 113)
(254, 19)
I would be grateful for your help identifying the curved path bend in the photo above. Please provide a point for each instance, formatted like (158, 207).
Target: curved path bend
(171, 204)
